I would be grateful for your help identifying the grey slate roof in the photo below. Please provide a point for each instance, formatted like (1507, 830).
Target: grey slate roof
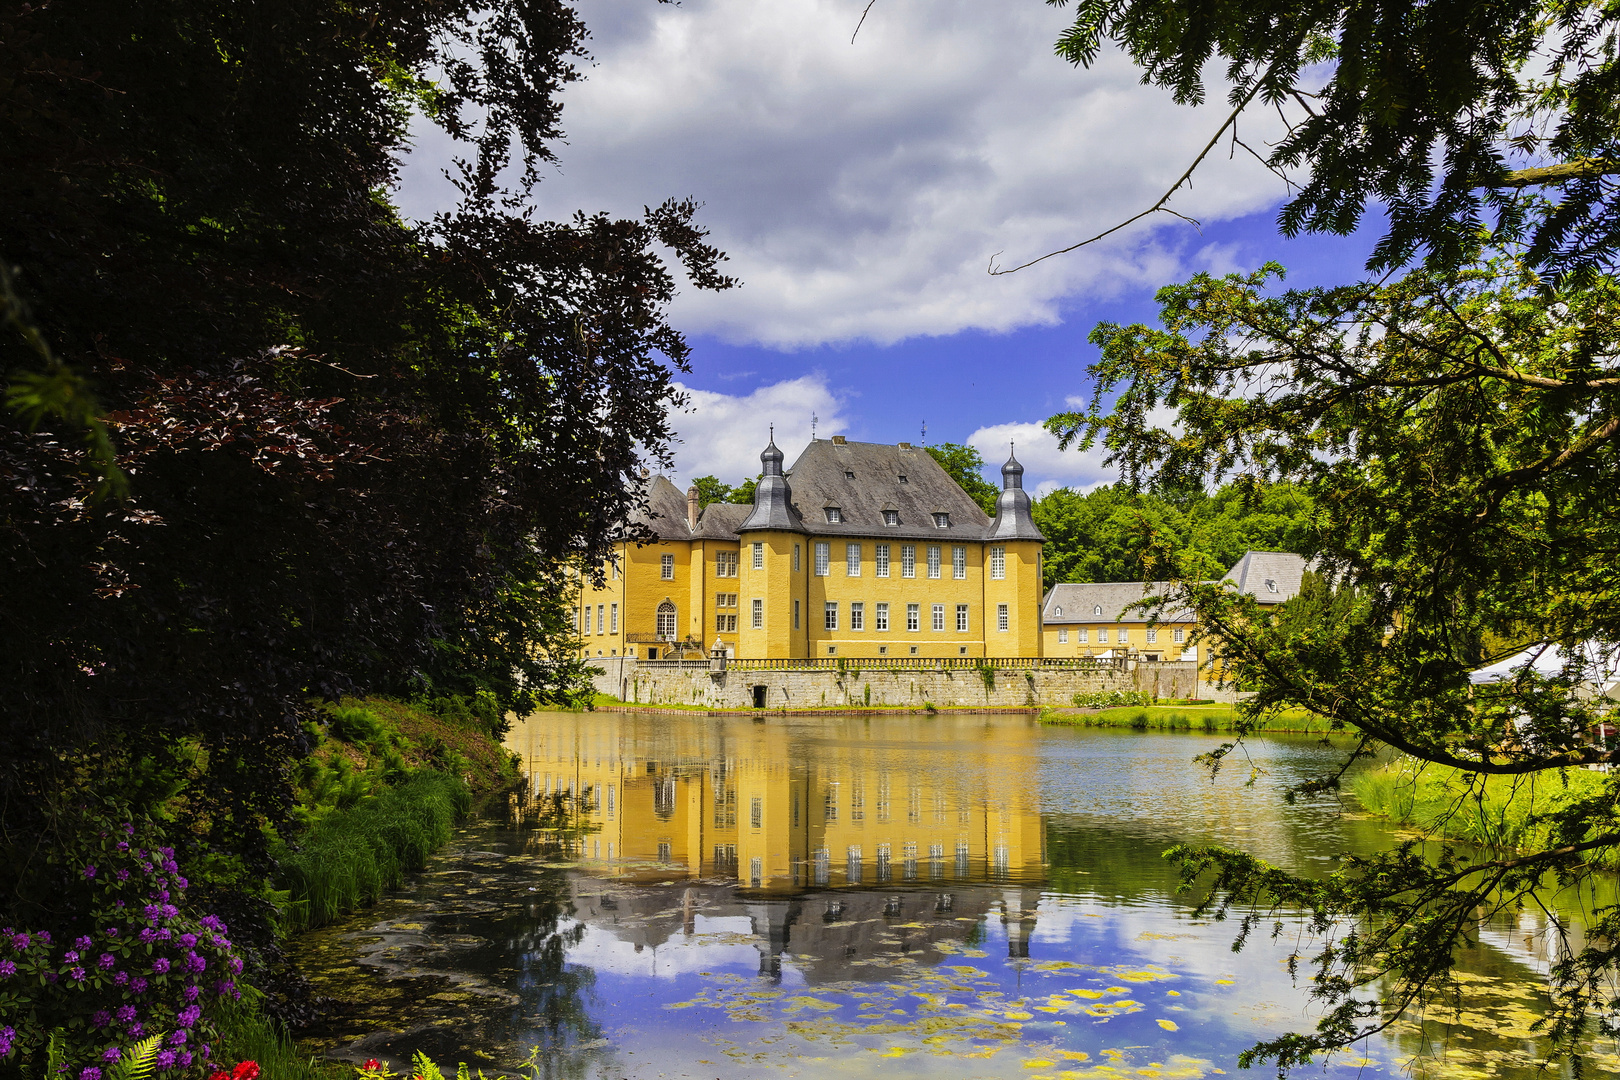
(1078, 603)
(773, 499)
(1269, 576)
(820, 479)
(720, 521)
(665, 512)
(1013, 520)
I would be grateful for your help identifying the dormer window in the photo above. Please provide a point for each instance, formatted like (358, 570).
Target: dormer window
(848, 475)
(1271, 585)
(942, 521)
(1057, 611)
(834, 515)
(1097, 610)
(891, 517)
(903, 479)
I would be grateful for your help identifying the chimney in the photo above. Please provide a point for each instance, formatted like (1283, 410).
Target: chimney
(839, 439)
(692, 507)
(905, 446)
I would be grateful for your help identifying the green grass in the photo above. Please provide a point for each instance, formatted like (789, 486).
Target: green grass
(347, 858)
(1209, 718)
(1495, 811)
(246, 1035)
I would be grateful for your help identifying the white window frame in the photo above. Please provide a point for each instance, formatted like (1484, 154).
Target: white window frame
(857, 615)
(823, 558)
(1122, 635)
(835, 515)
(1102, 635)
(908, 560)
(934, 553)
(880, 560)
(759, 554)
(938, 620)
(914, 617)
(601, 623)
(666, 567)
(959, 562)
(725, 564)
(613, 618)
(795, 558)
(852, 560)
(998, 563)
(962, 618)
(829, 615)
(1002, 618)
(587, 609)
(880, 620)
(1063, 637)
(757, 613)
(942, 521)
(891, 517)
(1082, 635)
(1178, 635)
(1152, 636)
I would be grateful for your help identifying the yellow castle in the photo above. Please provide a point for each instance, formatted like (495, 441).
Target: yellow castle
(857, 550)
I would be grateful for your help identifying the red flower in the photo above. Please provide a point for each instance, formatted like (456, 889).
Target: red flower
(247, 1070)
(371, 1065)
(220, 1075)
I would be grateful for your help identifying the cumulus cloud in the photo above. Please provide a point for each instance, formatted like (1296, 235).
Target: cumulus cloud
(1045, 466)
(722, 434)
(861, 189)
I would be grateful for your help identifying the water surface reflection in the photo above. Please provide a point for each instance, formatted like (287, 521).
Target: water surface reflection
(958, 896)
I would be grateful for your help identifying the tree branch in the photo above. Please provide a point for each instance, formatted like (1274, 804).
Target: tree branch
(1583, 168)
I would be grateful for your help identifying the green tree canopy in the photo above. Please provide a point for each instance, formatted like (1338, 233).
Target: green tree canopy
(1460, 435)
(1446, 114)
(966, 467)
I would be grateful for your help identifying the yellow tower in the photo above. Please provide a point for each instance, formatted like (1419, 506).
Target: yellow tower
(1012, 580)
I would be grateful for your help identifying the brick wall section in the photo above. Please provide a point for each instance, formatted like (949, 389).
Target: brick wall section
(624, 678)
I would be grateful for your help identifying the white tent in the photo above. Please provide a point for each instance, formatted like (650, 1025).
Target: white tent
(1546, 660)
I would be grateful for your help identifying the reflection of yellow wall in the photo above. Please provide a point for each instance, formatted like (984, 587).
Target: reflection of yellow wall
(747, 808)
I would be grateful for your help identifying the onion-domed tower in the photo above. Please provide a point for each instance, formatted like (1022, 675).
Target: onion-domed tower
(1012, 587)
(772, 567)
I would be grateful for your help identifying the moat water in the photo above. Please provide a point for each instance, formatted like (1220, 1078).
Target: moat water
(896, 897)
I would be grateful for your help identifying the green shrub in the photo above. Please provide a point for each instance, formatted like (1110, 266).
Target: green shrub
(346, 859)
(1110, 699)
(353, 724)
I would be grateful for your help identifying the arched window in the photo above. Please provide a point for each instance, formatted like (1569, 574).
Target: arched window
(1097, 610)
(1057, 611)
(666, 621)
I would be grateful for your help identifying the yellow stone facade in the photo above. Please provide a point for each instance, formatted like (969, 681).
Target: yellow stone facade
(861, 550)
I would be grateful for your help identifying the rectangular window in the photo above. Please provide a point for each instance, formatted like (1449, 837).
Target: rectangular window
(725, 564)
(962, 618)
(933, 560)
(795, 558)
(913, 616)
(880, 559)
(823, 558)
(852, 560)
(939, 617)
(1063, 637)
(757, 613)
(1082, 635)
(613, 618)
(1178, 635)
(830, 616)
(601, 624)
(1001, 616)
(725, 624)
(759, 555)
(1152, 636)
(756, 812)
(795, 614)
(998, 564)
(1123, 634)
(857, 616)
(908, 560)
(942, 521)
(959, 562)
(666, 567)
(587, 610)
(1102, 635)
(882, 617)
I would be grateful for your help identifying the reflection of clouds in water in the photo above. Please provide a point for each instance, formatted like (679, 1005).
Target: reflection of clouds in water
(601, 950)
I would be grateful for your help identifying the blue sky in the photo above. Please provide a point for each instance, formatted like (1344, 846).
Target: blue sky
(861, 189)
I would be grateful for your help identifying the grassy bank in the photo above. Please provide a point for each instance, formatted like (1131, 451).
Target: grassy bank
(1207, 718)
(1496, 811)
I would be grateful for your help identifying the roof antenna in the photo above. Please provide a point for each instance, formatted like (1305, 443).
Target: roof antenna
(773, 433)
(925, 433)
(812, 427)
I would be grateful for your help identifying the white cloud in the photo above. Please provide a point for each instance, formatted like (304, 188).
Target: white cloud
(1045, 466)
(862, 189)
(722, 434)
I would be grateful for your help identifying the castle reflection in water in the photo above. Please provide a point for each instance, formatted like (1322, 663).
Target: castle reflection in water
(833, 842)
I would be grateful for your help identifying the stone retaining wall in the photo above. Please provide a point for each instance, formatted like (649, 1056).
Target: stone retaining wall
(697, 684)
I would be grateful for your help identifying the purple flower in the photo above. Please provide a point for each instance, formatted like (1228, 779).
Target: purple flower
(165, 1059)
(125, 1013)
(6, 1035)
(181, 883)
(148, 935)
(123, 875)
(82, 943)
(45, 936)
(77, 973)
(50, 977)
(106, 961)
(7, 969)
(188, 1016)
(129, 830)
(177, 1039)
(188, 941)
(121, 979)
(164, 934)
(160, 966)
(111, 931)
(191, 992)
(70, 956)
(90, 1072)
(21, 941)
(137, 985)
(123, 845)
(111, 1055)
(206, 1050)
(90, 872)
(185, 1059)
(170, 911)
(195, 964)
(211, 922)
(101, 1018)
(235, 964)
(137, 1030)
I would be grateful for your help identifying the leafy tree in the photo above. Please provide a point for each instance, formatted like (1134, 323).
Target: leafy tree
(268, 443)
(1460, 434)
(711, 490)
(1449, 114)
(965, 466)
(744, 492)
